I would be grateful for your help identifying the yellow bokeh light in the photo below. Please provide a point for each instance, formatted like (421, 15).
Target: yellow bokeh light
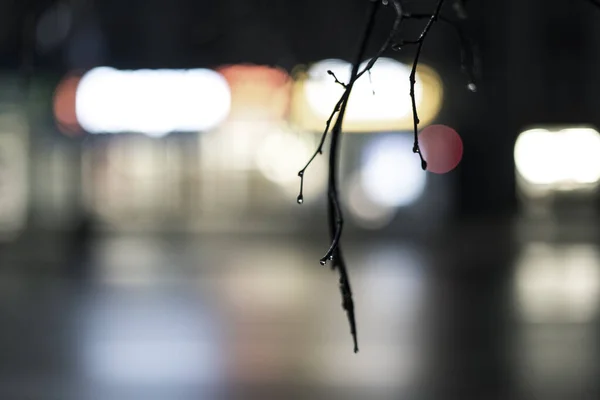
(379, 102)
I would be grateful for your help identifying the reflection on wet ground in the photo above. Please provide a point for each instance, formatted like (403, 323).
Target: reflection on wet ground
(479, 315)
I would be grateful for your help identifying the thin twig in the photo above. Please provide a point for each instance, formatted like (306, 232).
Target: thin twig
(353, 78)
(468, 52)
(421, 41)
(386, 46)
(330, 72)
(335, 217)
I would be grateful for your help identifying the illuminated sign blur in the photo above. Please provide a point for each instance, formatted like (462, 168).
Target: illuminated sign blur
(258, 92)
(558, 159)
(154, 102)
(390, 174)
(558, 283)
(380, 101)
(14, 196)
(390, 177)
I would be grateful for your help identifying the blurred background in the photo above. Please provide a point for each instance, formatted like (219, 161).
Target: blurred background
(151, 245)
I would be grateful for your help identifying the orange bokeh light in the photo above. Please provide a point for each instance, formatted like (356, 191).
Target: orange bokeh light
(258, 92)
(64, 105)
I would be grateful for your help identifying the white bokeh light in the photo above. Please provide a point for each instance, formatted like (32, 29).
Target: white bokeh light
(391, 174)
(282, 152)
(382, 96)
(559, 158)
(281, 155)
(154, 102)
(364, 211)
(558, 283)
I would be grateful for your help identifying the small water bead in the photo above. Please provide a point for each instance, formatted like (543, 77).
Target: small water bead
(472, 87)
(300, 199)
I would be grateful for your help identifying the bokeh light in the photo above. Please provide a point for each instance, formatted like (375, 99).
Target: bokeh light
(258, 92)
(372, 96)
(391, 174)
(154, 102)
(559, 158)
(558, 283)
(281, 153)
(64, 105)
(15, 196)
(365, 212)
(380, 101)
(441, 147)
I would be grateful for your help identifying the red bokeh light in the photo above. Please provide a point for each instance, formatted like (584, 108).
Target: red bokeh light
(441, 147)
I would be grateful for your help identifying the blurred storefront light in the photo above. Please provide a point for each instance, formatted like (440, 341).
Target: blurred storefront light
(380, 100)
(258, 92)
(282, 153)
(365, 212)
(389, 177)
(558, 159)
(154, 102)
(157, 340)
(391, 174)
(280, 157)
(14, 174)
(558, 283)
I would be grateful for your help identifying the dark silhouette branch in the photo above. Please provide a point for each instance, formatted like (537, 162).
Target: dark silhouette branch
(336, 220)
(386, 46)
(420, 41)
(336, 79)
(469, 58)
(355, 75)
(335, 214)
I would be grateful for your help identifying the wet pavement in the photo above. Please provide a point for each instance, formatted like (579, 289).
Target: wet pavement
(483, 314)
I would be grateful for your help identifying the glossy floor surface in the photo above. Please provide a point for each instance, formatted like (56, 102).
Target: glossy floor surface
(480, 315)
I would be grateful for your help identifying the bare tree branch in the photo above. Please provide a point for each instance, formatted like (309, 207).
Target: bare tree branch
(386, 45)
(469, 58)
(335, 215)
(420, 41)
(336, 220)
